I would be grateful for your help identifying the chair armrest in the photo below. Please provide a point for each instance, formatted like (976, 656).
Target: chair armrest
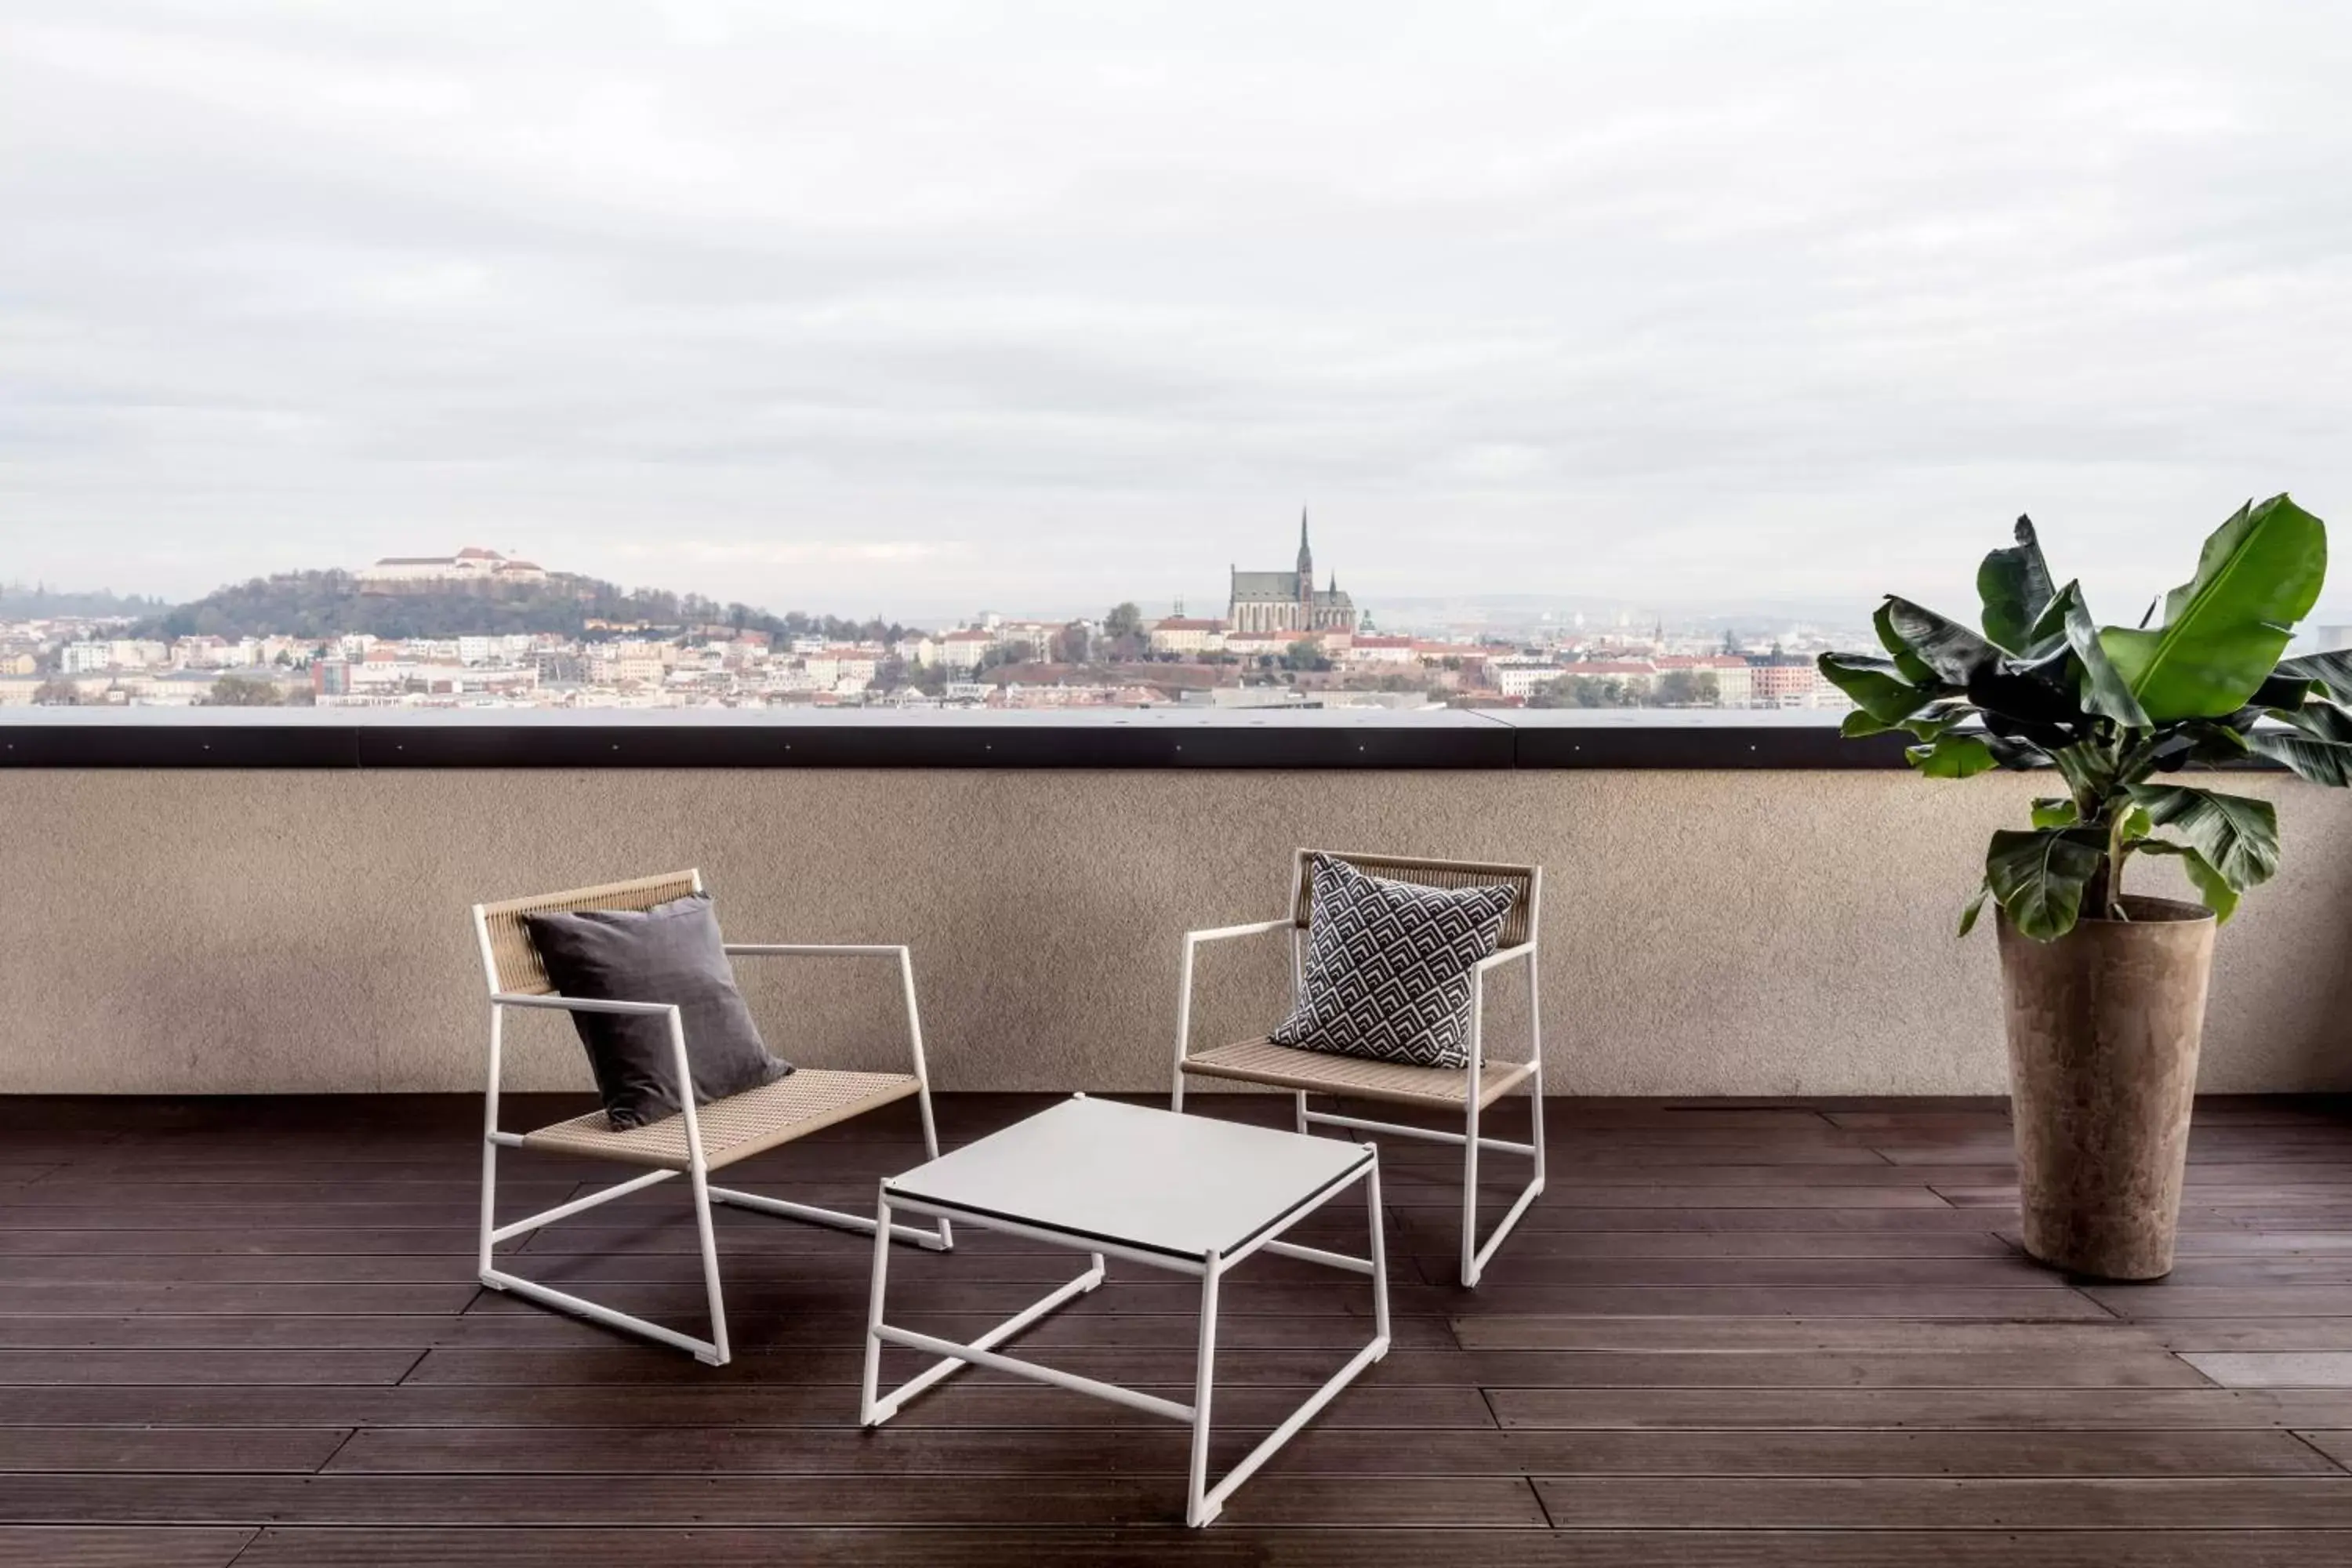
(577, 1004)
(1478, 982)
(1507, 956)
(906, 961)
(557, 1001)
(809, 950)
(1225, 933)
(1192, 940)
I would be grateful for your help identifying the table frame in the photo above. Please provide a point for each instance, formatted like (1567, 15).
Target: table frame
(1202, 1502)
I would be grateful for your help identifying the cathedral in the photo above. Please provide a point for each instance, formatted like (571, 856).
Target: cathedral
(1289, 601)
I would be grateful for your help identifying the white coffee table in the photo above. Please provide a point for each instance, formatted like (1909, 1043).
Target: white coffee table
(1186, 1194)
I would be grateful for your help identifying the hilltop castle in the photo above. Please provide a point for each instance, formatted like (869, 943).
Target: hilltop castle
(1289, 601)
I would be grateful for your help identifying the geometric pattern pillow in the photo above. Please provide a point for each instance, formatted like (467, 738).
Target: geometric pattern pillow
(1388, 966)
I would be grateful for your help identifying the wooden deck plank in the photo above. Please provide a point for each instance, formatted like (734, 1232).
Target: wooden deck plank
(1460, 1502)
(974, 1400)
(1564, 1332)
(1232, 1545)
(108, 1546)
(1077, 1325)
(2118, 1367)
(234, 1368)
(2025, 1409)
(2199, 1454)
(916, 1452)
(297, 1450)
(1804, 1502)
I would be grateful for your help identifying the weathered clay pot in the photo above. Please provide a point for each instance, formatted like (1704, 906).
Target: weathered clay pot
(2104, 1025)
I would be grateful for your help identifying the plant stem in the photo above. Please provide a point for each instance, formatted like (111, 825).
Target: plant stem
(2117, 852)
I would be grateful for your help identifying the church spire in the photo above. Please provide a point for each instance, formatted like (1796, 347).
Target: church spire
(1306, 556)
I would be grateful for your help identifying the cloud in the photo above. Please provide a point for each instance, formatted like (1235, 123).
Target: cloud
(796, 553)
(1058, 304)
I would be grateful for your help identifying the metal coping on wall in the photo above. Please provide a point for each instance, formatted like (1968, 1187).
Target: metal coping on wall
(1128, 739)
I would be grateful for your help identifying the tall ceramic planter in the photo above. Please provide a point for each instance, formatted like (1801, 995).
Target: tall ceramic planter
(2104, 1026)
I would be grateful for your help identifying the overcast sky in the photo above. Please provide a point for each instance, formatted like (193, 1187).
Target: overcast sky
(889, 305)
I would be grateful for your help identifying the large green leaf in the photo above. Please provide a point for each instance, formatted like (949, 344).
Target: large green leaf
(2318, 746)
(2032, 699)
(2015, 586)
(2324, 719)
(1955, 653)
(2237, 834)
(1973, 908)
(1876, 686)
(1950, 757)
(2322, 762)
(2056, 810)
(1908, 665)
(2333, 672)
(1938, 718)
(2039, 876)
(2225, 628)
(2104, 692)
(2213, 890)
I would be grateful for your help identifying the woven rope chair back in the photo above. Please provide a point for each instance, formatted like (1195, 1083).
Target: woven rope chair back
(514, 966)
(1520, 924)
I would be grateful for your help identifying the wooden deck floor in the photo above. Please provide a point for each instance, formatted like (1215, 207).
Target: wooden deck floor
(247, 1332)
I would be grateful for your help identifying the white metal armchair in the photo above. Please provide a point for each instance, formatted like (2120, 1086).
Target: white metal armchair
(700, 1140)
(1466, 1090)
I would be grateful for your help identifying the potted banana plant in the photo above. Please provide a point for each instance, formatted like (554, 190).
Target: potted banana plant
(2105, 989)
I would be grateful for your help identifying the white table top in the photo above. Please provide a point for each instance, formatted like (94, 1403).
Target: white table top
(1098, 1170)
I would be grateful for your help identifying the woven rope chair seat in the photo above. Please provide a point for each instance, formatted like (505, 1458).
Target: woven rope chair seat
(735, 1128)
(1286, 1067)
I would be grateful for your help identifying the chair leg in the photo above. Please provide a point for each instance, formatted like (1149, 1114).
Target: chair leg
(490, 1203)
(1302, 1112)
(712, 1350)
(1475, 1257)
(1470, 1210)
(931, 1148)
(1198, 1511)
(1470, 1259)
(701, 1182)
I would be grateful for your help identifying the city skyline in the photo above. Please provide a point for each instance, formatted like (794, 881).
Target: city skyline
(1405, 611)
(944, 308)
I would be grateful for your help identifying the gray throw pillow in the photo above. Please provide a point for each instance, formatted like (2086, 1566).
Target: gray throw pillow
(670, 952)
(1388, 965)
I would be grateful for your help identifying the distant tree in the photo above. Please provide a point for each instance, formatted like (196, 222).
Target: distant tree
(1304, 654)
(1583, 691)
(1014, 652)
(37, 600)
(1071, 644)
(1687, 689)
(233, 691)
(1123, 629)
(57, 692)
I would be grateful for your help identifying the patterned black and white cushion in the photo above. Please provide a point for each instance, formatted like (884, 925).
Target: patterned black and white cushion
(1388, 966)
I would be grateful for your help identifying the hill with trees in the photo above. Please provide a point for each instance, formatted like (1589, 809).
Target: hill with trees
(38, 601)
(326, 604)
